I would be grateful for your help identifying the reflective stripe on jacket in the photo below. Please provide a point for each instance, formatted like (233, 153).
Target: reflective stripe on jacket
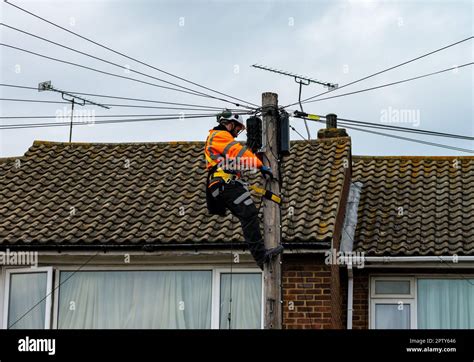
(220, 145)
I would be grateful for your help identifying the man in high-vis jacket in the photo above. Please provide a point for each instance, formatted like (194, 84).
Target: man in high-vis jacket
(225, 158)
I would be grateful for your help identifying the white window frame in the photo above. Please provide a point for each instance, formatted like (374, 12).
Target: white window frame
(394, 301)
(216, 296)
(393, 278)
(215, 284)
(411, 299)
(49, 292)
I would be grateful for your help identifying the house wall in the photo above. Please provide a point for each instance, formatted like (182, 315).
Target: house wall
(312, 295)
(217, 261)
(360, 304)
(360, 317)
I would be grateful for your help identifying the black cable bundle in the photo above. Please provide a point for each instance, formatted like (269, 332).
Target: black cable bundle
(284, 134)
(254, 133)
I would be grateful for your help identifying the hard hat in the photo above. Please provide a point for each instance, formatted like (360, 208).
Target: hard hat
(227, 115)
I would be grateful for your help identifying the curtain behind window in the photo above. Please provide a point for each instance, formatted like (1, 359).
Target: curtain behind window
(26, 291)
(392, 316)
(135, 299)
(445, 303)
(246, 301)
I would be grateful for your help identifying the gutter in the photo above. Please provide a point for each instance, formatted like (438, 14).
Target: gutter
(347, 242)
(416, 259)
(291, 247)
(350, 295)
(119, 246)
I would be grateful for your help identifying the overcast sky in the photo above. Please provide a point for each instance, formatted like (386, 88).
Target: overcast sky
(215, 42)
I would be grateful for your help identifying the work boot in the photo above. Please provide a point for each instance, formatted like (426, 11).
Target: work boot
(269, 254)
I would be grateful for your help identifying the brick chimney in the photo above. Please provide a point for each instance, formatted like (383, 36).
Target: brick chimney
(331, 130)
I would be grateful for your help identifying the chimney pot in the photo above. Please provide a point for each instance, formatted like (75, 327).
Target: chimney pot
(331, 130)
(331, 120)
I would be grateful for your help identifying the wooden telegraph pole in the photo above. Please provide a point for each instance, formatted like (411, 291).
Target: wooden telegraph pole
(271, 214)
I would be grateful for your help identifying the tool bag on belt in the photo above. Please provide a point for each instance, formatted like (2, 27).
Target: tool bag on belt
(215, 186)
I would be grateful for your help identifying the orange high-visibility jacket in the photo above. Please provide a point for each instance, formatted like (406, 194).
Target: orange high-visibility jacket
(221, 145)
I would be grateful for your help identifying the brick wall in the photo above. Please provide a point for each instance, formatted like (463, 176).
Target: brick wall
(315, 294)
(360, 313)
(312, 297)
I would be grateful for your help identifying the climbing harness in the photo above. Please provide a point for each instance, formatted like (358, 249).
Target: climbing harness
(267, 194)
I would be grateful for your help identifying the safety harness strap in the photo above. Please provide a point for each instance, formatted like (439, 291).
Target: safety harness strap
(266, 194)
(210, 161)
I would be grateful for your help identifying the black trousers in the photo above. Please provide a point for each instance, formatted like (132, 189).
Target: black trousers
(237, 199)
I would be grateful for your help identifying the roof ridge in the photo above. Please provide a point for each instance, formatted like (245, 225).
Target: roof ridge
(440, 158)
(59, 143)
(324, 140)
(10, 158)
(90, 144)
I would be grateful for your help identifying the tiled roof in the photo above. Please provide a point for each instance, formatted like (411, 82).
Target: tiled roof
(142, 193)
(415, 205)
(6, 163)
(153, 193)
(313, 179)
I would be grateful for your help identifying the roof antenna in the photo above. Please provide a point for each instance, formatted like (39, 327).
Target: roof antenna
(301, 81)
(46, 86)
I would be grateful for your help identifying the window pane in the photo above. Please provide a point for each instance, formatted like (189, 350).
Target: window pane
(445, 303)
(246, 301)
(26, 290)
(135, 299)
(392, 316)
(392, 287)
